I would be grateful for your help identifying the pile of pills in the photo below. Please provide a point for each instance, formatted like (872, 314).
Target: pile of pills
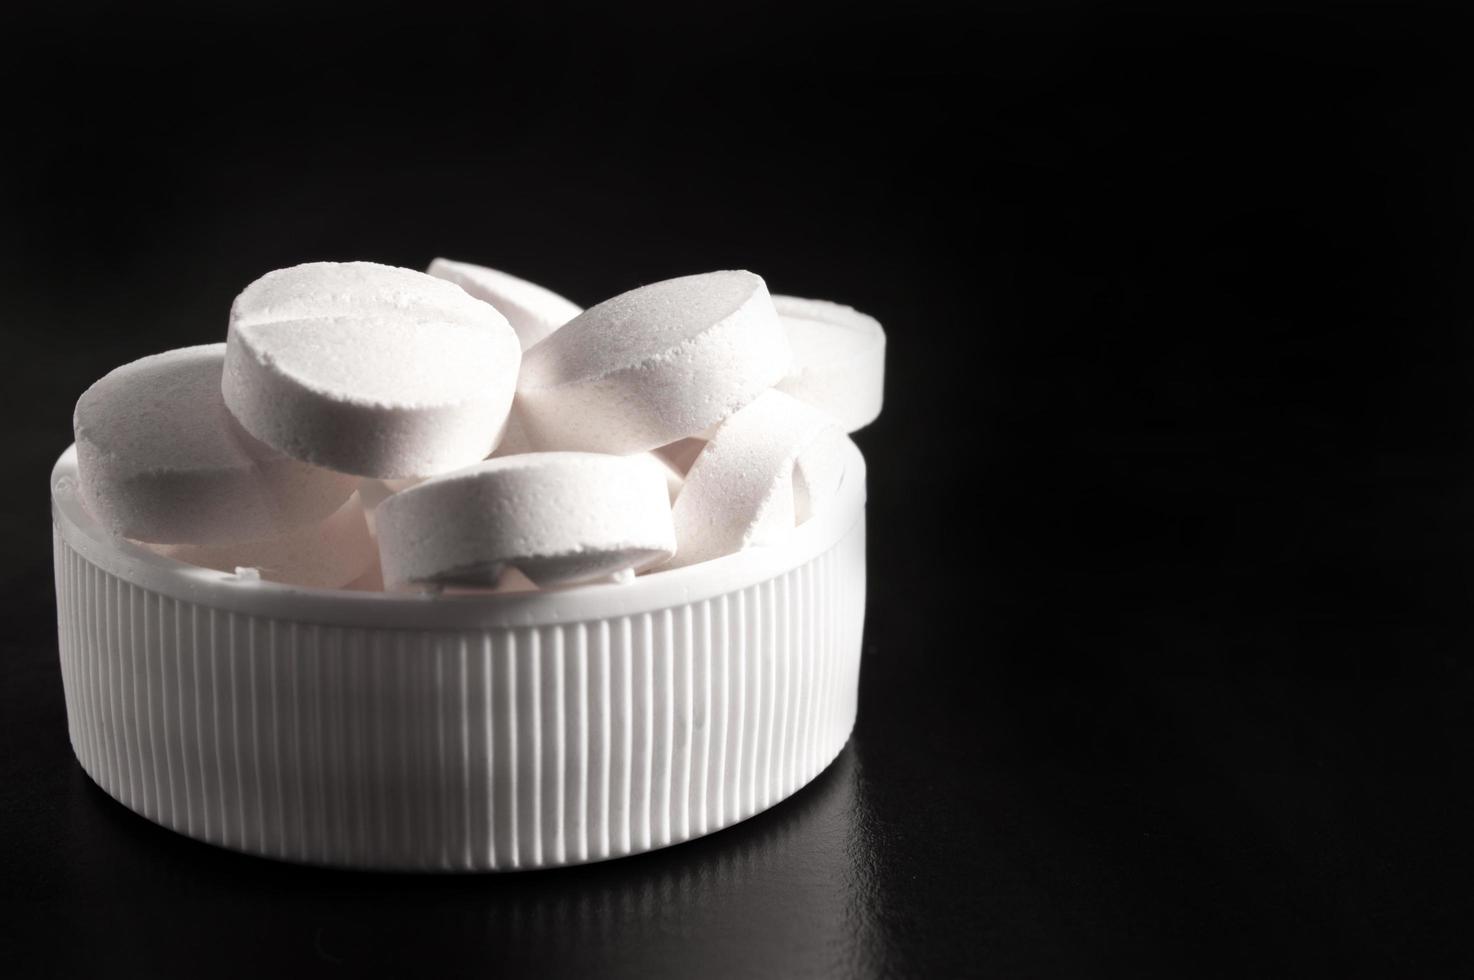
(371, 427)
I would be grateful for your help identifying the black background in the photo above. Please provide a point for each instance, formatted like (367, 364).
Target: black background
(1167, 665)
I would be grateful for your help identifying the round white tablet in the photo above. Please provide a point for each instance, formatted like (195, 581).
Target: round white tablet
(657, 364)
(369, 369)
(327, 554)
(766, 469)
(534, 312)
(555, 517)
(162, 460)
(838, 359)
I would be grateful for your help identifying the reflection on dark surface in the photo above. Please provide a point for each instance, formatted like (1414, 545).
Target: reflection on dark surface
(790, 892)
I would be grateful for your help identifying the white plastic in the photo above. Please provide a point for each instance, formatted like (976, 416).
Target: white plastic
(456, 732)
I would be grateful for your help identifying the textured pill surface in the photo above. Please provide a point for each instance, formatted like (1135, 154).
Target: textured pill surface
(557, 518)
(838, 359)
(533, 311)
(369, 369)
(328, 554)
(654, 365)
(162, 460)
(766, 469)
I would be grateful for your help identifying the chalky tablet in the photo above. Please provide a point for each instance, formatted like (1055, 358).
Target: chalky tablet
(653, 365)
(369, 369)
(162, 460)
(534, 312)
(767, 469)
(556, 517)
(327, 554)
(838, 359)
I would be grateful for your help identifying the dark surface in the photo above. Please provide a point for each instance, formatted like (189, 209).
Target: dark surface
(1168, 658)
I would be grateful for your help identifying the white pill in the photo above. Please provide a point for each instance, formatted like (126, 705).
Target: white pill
(766, 469)
(161, 459)
(369, 369)
(838, 359)
(328, 554)
(657, 364)
(555, 517)
(534, 312)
